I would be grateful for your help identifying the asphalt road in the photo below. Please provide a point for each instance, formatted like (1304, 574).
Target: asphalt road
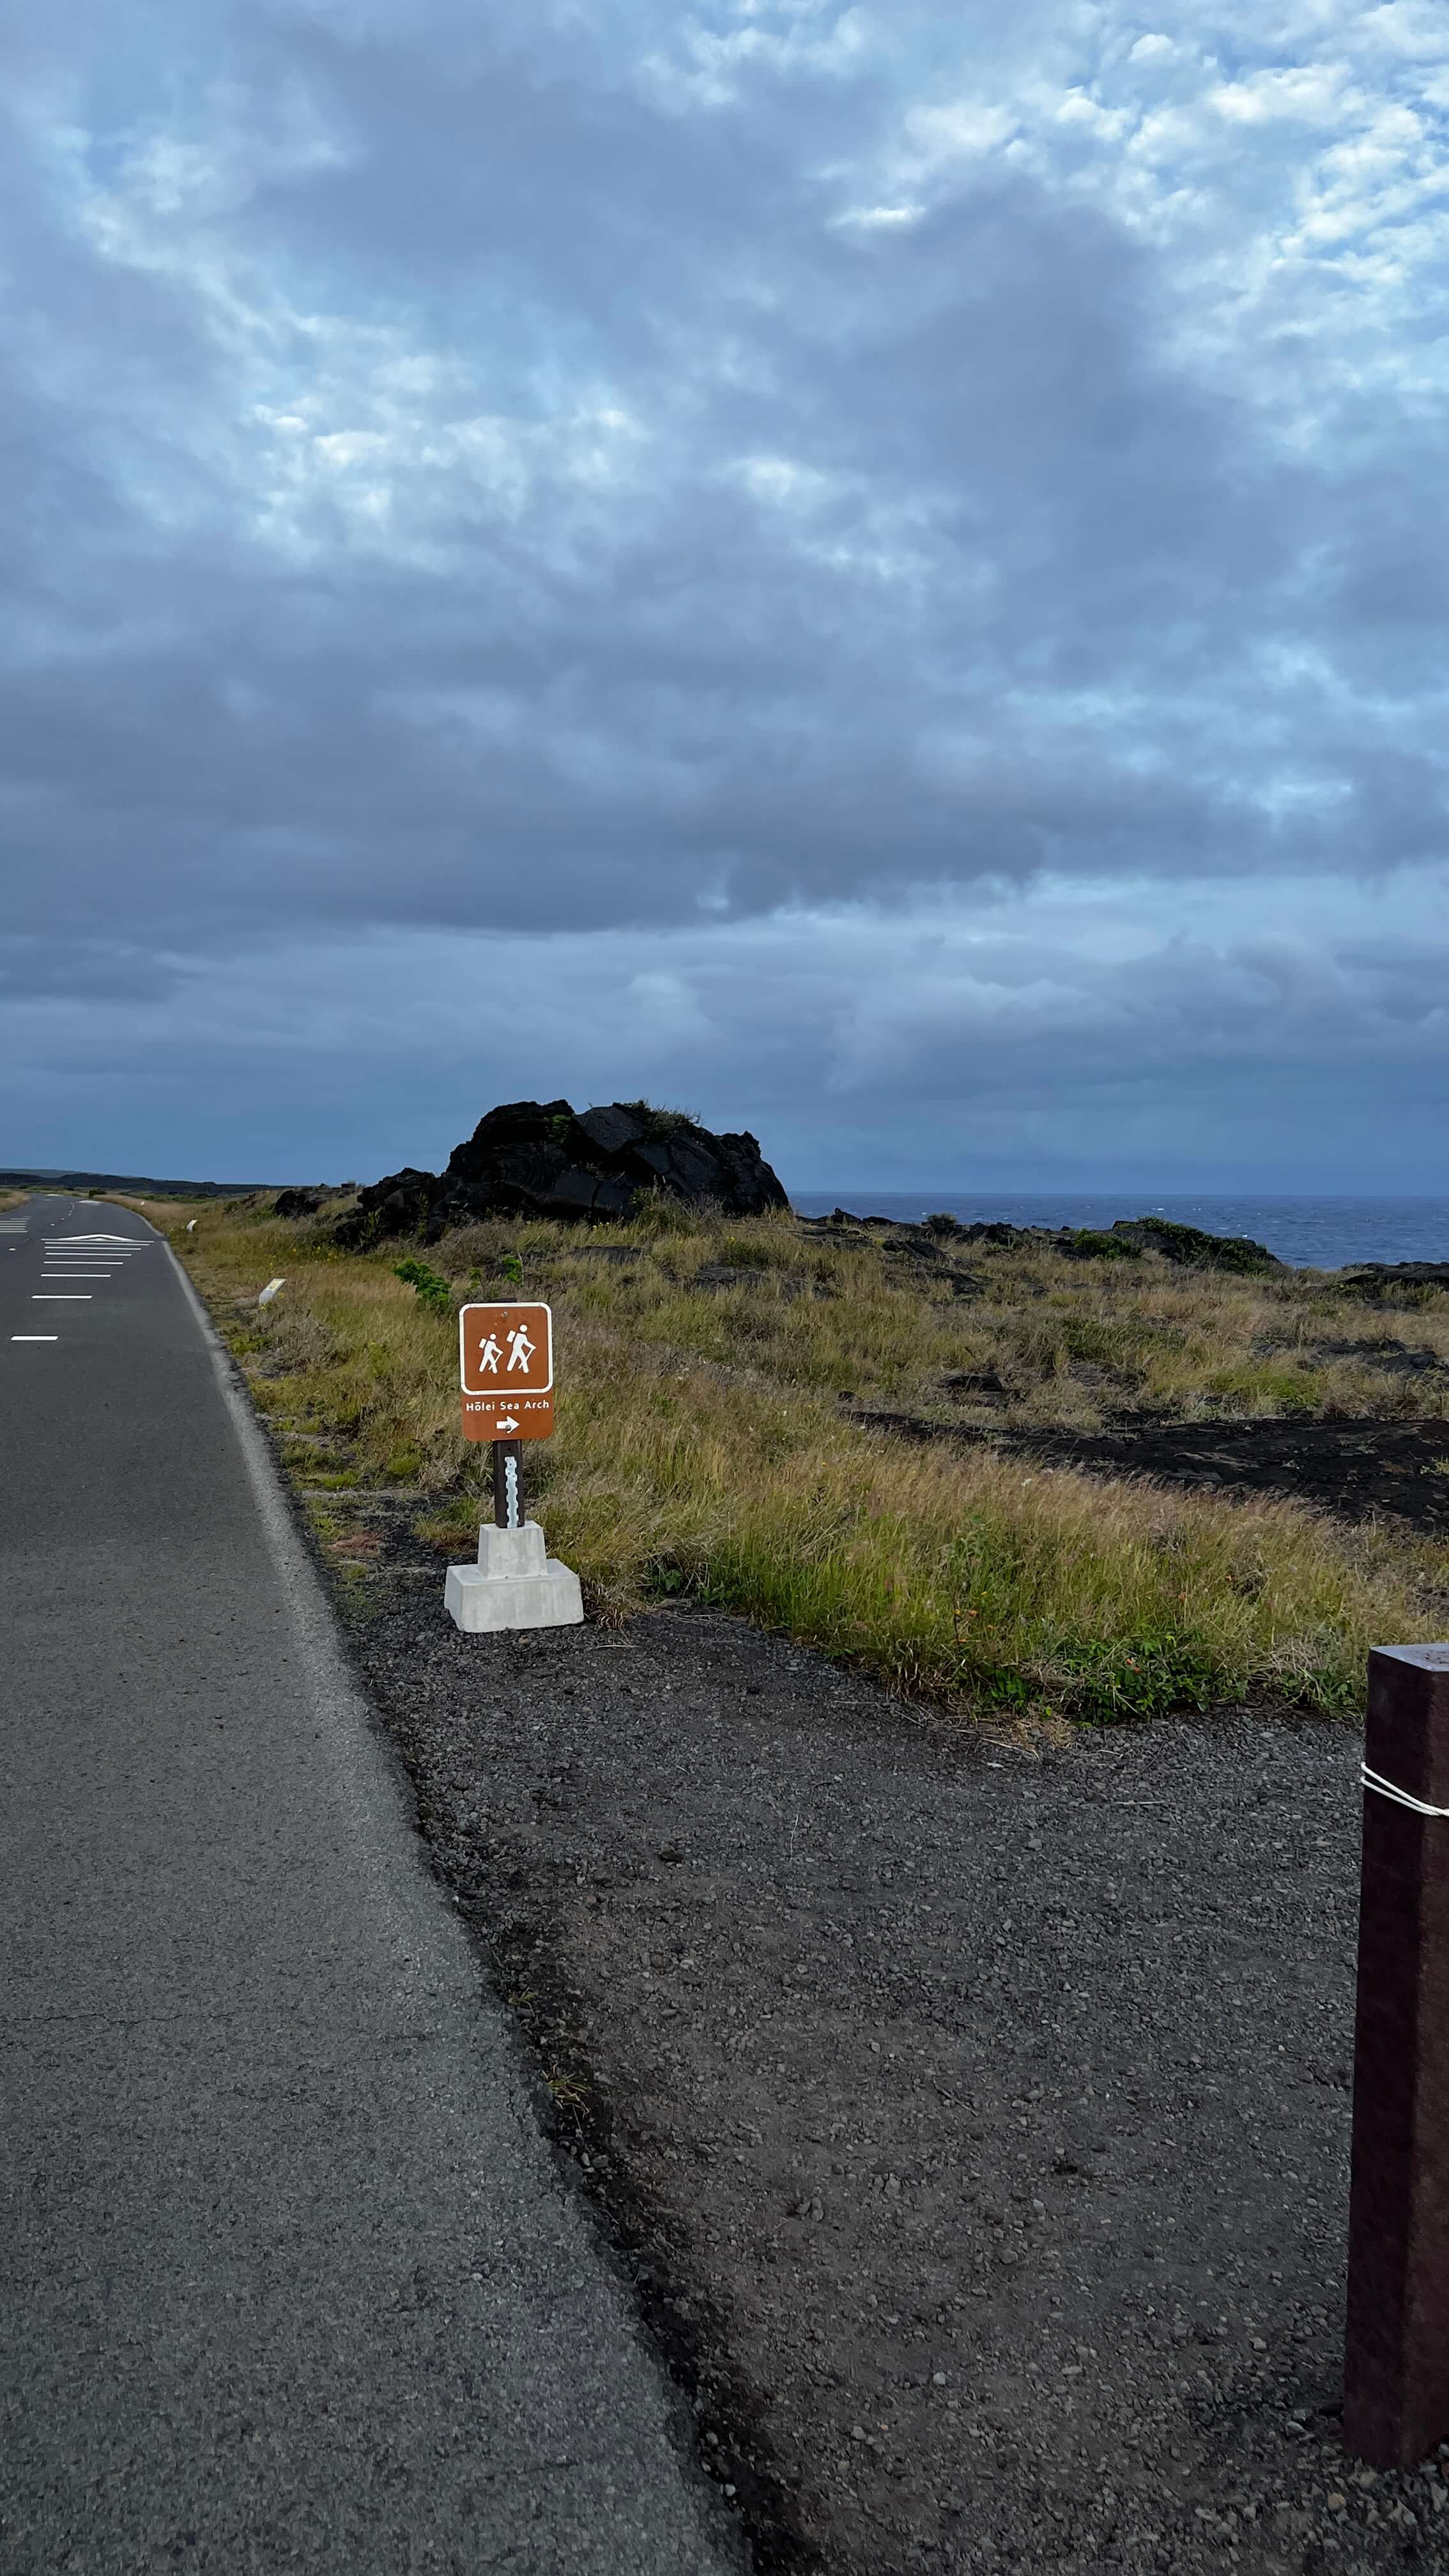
(288, 2275)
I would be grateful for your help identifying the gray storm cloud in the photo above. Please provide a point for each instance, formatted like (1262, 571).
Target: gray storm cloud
(643, 477)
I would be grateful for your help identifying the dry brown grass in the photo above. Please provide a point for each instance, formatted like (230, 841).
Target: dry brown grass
(701, 1444)
(1071, 1343)
(1077, 1343)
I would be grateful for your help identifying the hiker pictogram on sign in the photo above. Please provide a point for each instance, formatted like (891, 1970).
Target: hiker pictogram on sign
(521, 1349)
(506, 1371)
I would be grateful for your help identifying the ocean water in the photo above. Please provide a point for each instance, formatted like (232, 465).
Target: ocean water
(1312, 1234)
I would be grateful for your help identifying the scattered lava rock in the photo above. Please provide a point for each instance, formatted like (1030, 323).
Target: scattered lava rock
(1356, 1468)
(1389, 1278)
(542, 1159)
(297, 1203)
(1186, 1245)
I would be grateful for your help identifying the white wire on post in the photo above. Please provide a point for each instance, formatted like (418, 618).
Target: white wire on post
(1401, 1798)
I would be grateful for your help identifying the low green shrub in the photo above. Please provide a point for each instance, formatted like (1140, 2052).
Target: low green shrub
(432, 1288)
(1089, 1243)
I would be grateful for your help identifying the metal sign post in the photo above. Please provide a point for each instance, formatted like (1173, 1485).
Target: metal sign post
(1396, 2359)
(508, 1484)
(505, 1374)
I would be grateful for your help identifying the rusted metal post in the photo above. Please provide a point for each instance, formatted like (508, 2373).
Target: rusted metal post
(1396, 2359)
(508, 1484)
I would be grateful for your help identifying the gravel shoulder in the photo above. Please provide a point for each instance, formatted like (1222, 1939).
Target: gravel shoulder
(974, 2119)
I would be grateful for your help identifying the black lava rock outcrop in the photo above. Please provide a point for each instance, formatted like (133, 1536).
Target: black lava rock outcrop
(1194, 1249)
(401, 1203)
(297, 1202)
(544, 1159)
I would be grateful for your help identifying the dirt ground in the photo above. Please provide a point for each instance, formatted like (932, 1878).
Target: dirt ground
(973, 2122)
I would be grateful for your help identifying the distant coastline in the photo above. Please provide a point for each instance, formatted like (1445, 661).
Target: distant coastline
(1310, 1233)
(136, 1185)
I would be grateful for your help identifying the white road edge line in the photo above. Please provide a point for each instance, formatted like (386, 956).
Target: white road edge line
(35, 1337)
(352, 1739)
(370, 1782)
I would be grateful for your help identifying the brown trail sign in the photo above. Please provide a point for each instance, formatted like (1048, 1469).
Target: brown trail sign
(505, 1367)
(505, 1370)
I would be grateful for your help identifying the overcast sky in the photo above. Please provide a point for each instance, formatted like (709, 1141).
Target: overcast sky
(875, 573)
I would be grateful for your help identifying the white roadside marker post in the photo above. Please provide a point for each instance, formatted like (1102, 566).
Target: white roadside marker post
(505, 1371)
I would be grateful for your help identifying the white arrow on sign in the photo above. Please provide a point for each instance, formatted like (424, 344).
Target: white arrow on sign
(507, 1424)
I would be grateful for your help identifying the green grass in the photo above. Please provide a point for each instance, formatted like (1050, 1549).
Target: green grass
(702, 1446)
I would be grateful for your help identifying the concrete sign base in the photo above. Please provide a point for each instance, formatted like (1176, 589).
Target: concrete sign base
(515, 1584)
